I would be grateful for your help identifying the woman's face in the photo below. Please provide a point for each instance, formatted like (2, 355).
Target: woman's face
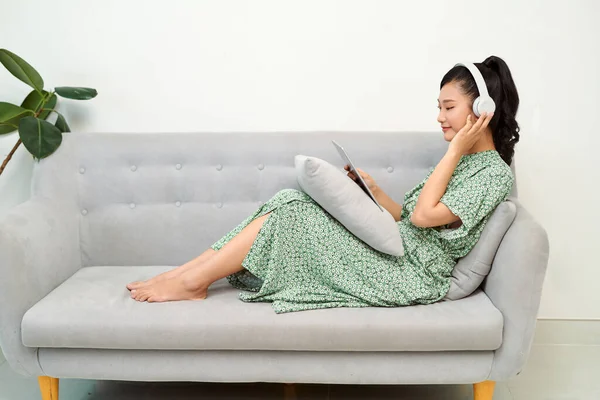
(454, 108)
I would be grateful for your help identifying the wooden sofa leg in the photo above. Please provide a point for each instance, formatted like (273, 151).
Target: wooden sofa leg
(48, 387)
(483, 390)
(289, 392)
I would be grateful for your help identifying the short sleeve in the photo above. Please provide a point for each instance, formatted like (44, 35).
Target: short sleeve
(476, 197)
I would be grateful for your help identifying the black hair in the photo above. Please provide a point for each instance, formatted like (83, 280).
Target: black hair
(501, 87)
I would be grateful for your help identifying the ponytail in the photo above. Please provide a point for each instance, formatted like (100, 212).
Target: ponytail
(506, 128)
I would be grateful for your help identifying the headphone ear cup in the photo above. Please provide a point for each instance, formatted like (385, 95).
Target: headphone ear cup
(476, 107)
(483, 104)
(486, 104)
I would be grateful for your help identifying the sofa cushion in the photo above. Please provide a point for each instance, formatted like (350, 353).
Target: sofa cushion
(93, 309)
(341, 197)
(470, 271)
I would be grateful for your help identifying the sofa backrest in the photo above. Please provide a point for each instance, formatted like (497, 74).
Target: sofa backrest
(164, 198)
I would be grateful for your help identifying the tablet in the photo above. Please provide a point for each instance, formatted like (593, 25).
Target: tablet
(360, 181)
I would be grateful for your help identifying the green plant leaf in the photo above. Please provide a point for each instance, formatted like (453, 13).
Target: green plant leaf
(10, 115)
(61, 124)
(76, 93)
(34, 100)
(9, 111)
(39, 137)
(21, 69)
(8, 127)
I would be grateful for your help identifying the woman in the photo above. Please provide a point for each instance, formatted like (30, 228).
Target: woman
(294, 254)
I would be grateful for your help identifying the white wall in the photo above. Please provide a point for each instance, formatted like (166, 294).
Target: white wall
(335, 65)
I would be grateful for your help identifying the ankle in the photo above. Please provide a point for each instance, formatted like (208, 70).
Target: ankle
(194, 280)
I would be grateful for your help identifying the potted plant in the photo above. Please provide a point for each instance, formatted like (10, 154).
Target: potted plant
(40, 137)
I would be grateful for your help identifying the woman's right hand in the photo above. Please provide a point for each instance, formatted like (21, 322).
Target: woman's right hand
(371, 184)
(469, 134)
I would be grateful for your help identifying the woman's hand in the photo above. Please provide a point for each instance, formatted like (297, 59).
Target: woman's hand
(469, 134)
(366, 177)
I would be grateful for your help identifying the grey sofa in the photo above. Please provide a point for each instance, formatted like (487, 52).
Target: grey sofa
(107, 209)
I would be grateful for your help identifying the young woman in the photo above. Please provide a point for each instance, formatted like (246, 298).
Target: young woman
(294, 254)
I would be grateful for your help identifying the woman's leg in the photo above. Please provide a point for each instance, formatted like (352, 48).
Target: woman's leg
(193, 283)
(174, 272)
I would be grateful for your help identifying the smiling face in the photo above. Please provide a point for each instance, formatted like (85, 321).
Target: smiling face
(454, 108)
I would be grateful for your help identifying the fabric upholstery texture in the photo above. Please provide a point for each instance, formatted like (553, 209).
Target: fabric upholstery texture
(439, 367)
(470, 271)
(107, 318)
(107, 205)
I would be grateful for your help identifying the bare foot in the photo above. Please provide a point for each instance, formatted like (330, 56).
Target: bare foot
(176, 288)
(173, 272)
(158, 278)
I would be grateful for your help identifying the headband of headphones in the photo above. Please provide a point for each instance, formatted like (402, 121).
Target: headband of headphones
(484, 103)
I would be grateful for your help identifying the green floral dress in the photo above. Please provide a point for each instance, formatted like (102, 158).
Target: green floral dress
(304, 259)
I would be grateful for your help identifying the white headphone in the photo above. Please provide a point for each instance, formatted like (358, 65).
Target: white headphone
(484, 103)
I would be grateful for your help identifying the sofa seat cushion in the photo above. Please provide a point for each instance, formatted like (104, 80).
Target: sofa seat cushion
(93, 309)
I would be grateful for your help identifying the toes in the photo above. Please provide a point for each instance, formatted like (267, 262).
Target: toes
(144, 295)
(143, 284)
(137, 294)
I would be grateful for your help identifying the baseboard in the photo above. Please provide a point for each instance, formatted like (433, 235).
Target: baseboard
(567, 332)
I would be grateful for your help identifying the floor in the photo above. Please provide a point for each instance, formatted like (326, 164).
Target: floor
(554, 371)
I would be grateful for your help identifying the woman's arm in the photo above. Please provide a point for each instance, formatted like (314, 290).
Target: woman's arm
(429, 212)
(386, 202)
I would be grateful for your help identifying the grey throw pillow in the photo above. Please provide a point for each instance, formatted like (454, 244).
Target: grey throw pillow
(470, 271)
(341, 197)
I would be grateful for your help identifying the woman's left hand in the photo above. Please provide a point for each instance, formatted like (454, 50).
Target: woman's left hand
(469, 134)
(372, 185)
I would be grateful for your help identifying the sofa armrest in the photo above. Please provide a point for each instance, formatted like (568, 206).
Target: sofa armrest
(514, 286)
(39, 250)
